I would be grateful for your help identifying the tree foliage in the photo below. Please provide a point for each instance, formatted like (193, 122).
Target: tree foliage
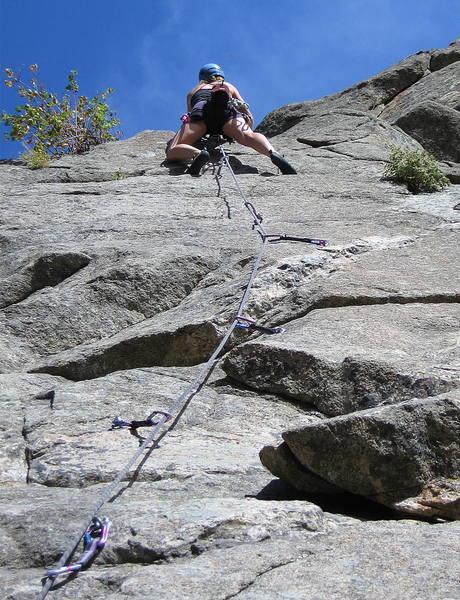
(52, 125)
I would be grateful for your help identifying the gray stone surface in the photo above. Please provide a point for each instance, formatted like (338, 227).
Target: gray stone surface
(369, 95)
(345, 359)
(364, 121)
(381, 560)
(345, 569)
(442, 87)
(220, 432)
(436, 127)
(283, 463)
(147, 529)
(118, 276)
(445, 56)
(385, 453)
(47, 270)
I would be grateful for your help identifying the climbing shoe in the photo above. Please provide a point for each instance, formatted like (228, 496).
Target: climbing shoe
(282, 164)
(198, 163)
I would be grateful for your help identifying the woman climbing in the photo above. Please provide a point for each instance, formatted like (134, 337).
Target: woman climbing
(216, 107)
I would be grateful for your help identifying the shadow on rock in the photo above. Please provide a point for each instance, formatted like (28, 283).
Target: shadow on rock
(175, 167)
(240, 168)
(345, 504)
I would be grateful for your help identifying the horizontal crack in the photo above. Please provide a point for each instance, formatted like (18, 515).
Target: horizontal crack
(360, 158)
(82, 193)
(325, 143)
(344, 301)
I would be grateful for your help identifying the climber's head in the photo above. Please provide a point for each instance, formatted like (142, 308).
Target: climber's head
(210, 72)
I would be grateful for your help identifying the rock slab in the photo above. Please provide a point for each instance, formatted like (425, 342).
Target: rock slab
(119, 274)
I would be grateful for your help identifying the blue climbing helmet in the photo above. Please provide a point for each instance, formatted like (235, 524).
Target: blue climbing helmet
(207, 71)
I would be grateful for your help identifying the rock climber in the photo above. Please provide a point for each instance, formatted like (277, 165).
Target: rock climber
(216, 107)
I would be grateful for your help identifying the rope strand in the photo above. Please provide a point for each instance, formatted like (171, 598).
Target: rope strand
(182, 400)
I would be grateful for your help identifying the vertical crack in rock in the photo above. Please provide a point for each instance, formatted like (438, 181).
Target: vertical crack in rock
(27, 451)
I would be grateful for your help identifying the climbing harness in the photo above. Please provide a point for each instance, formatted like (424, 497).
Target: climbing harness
(94, 530)
(94, 540)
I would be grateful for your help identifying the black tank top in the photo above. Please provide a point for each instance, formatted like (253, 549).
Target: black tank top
(201, 95)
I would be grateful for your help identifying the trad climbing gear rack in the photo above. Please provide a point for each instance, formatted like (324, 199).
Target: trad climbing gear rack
(94, 530)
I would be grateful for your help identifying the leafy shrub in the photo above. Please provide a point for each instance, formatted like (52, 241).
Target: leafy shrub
(36, 157)
(54, 126)
(418, 170)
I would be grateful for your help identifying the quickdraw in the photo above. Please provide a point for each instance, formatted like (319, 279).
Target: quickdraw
(118, 423)
(212, 144)
(94, 541)
(236, 104)
(245, 323)
(274, 238)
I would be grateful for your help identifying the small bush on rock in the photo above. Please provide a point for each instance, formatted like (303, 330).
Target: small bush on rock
(36, 158)
(418, 170)
(52, 126)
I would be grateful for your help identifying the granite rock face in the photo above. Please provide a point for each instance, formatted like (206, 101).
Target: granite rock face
(386, 453)
(119, 276)
(414, 97)
(356, 357)
(436, 127)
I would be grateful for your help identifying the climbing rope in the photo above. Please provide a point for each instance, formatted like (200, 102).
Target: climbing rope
(94, 530)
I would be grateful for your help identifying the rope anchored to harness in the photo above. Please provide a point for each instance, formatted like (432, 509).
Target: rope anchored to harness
(94, 531)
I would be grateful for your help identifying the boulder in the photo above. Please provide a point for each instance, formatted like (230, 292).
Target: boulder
(387, 454)
(435, 127)
(446, 56)
(441, 87)
(283, 464)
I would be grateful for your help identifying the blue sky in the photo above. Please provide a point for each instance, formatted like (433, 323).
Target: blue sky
(274, 51)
